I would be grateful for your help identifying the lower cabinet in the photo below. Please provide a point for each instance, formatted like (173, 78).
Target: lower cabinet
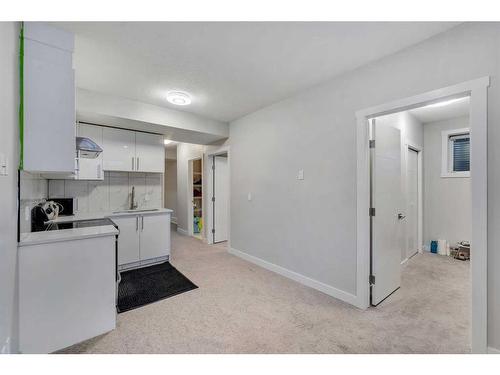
(67, 292)
(144, 239)
(128, 239)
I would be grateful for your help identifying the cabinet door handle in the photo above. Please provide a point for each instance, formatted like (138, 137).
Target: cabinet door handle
(142, 223)
(136, 223)
(137, 163)
(132, 163)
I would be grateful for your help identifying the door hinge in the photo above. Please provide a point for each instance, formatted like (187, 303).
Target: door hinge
(213, 199)
(213, 167)
(372, 279)
(372, 143)
(213, 231)
(371, 211)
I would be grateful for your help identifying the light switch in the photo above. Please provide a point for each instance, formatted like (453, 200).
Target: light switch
(300, 174)
(3, 165)
(249, 197)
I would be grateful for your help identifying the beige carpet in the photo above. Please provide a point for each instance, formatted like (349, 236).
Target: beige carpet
(242, 308)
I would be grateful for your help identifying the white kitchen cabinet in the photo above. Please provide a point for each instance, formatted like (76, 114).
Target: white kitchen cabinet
(144, 239)
(67, 292)
(150, 152)
(48, 142)
(131, 151)
(128, 240)
(155, 236)
(118, 150)
(90, 169)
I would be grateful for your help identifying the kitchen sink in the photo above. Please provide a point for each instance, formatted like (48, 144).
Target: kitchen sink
(136, 210)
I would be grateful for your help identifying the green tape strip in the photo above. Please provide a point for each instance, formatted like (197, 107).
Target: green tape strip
(21, 98)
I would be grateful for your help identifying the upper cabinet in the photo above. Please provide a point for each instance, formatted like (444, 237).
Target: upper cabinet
(48, 98)
(118, 149)
(150, 152)
(130, 151)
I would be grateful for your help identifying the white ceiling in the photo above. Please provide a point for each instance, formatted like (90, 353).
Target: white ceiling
(230, 69)
(453, 109)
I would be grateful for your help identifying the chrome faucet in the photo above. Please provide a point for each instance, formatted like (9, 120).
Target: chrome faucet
(133, 205)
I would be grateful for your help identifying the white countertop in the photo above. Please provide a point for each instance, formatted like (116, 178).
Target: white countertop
(35, 238)
(102, 215)
(49, 236)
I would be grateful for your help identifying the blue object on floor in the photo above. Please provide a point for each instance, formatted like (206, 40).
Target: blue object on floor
(434, 247)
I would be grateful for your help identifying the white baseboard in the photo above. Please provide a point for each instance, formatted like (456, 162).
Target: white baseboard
(6, 346)
(493, 350)
(304, 280)
(182, 231)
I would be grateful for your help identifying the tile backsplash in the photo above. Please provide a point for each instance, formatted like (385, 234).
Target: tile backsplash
(111, 194)
(34, 189)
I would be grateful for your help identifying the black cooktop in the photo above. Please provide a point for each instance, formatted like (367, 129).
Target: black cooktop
(77, 224)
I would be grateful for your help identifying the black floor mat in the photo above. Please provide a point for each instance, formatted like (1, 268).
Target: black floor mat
(150, 284)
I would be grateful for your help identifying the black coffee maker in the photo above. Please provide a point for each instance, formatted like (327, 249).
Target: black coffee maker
(38, 218)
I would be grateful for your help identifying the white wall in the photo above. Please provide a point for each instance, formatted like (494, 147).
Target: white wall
(447, 201)
(185, 152)
(309, 226)
(171, 187)
(9, 141)
(412, 132)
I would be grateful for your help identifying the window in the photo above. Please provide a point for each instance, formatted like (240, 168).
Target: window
(456, 153)
(460, 149)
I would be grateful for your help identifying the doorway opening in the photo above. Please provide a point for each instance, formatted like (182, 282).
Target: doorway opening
(398, 197)
(384, 196)
(170, 182)
(196, 192)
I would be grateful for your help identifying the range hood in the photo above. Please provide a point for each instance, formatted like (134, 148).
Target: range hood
(87, 148)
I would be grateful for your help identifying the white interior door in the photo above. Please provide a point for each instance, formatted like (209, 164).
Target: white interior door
(387, 201)
(221, 195)
(412, 213)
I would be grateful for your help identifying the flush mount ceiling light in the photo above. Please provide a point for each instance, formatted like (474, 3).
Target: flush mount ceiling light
(178, 98)
(446, 102)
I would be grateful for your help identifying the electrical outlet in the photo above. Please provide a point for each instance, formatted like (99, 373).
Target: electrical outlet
(300, 174)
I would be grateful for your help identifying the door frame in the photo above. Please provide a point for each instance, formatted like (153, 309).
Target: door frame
(478, 118)
(208, 202)
(191, 197)
(420, 216)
